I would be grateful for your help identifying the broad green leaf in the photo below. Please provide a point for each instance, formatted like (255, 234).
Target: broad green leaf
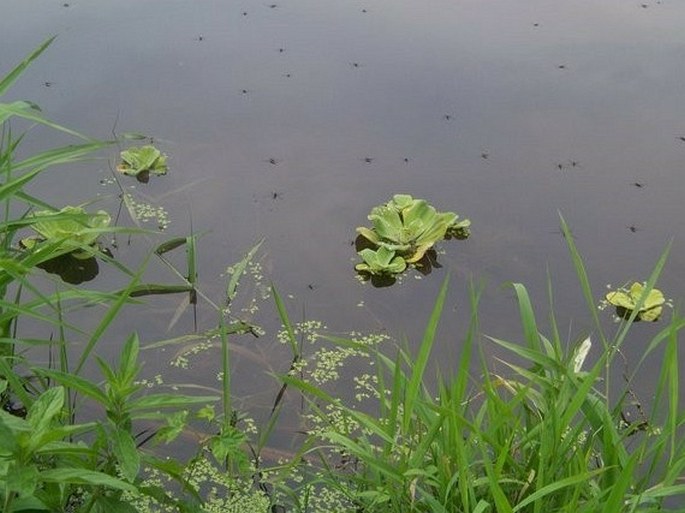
(80, 385)
(8, 442)
(124, 447)
(45, 409)
(175, 424)
(85, 477)
(22, 479)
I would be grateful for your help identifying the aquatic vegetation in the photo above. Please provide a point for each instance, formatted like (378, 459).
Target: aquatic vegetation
(381, 261)
(406, 228)
(547, 434)
(543, 432)
(626, 301)
(71, 228)
(142, 161)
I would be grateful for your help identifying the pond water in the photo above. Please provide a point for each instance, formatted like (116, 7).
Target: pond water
(290, 120)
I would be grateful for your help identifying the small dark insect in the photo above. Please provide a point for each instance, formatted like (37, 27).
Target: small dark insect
(560, 232)
(485, 155)
(560, 166)
(47, 84)
(536, 24)
(633, 228)
(355, 65)
(273, 6)
(244, 91)
(276, 195)
(65, 5)
(575, 163)
(447, 117)
(406, 160)
(244, 13)
(644, 6)
(311, 286)
(364, 10)
(561, 66)
(281, 50)
(273, 161)
(200, 38)
(639, 185)
(287, 75)
(682, 138)
(368, 160)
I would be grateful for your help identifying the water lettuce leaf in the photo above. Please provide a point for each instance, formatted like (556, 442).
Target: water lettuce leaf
(72, 227)
(627, 299)
(143, 159)
(382, 261)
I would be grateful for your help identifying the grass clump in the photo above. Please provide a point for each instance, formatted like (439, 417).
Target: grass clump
(547, 435)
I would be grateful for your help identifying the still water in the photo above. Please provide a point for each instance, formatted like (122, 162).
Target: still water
(290, 119)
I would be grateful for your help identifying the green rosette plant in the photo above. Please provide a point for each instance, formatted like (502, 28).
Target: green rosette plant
(72, 228)
(382, 261)
(626, 300)
(410, 227)
(142, 161)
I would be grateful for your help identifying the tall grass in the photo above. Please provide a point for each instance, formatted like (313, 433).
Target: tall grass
(546, 436)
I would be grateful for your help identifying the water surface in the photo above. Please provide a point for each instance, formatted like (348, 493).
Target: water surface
(291, 120)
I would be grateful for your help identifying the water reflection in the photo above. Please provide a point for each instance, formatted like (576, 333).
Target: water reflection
(71, 269)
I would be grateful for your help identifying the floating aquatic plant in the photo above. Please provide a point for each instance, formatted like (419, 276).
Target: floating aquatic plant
(405, 228)
(626, 300)
(72, 228)
(380, 262)
(142, 161)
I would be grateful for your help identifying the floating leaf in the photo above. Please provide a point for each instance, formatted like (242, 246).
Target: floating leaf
(381, 261)
(142, 161)
(72, 227)
(408, 227)
(626, 300)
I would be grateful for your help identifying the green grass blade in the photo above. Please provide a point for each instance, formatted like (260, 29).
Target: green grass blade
(239, 270)
(583, 279)
(555, 486)
(620, 487)
(419, 367)
(285, 319)
(13, 75)
(29, 112)
(530, 328)
(109, 317)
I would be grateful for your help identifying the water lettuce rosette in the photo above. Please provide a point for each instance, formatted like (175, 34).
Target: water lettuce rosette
(405, 228)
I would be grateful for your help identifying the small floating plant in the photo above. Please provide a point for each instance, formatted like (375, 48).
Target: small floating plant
(74, 233)
(142, 161)
(626, 300)
(72, 228)
(403, 231)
